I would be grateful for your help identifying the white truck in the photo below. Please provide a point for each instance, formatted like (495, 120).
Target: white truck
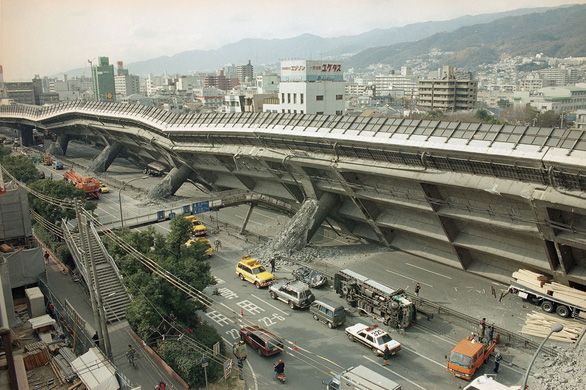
(361, 378)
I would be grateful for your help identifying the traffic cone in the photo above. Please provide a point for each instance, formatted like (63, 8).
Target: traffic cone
(295, 346)
(241, 312)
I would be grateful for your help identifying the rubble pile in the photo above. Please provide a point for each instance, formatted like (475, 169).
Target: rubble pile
(567, 370)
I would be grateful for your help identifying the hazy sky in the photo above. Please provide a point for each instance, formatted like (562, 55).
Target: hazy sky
(46, 37)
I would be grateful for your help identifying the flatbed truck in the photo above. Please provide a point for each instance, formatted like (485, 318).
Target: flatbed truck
(548, 303)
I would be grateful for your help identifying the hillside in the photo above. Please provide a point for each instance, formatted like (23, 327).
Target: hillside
(268, 52)
(559, 32)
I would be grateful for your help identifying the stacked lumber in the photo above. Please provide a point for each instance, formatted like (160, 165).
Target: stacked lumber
(538, 282)
(531, 279)
(539, 324)
(567, 294)
(36, 355)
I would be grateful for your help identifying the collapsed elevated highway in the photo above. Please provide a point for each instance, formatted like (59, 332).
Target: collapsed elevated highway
(489, 199)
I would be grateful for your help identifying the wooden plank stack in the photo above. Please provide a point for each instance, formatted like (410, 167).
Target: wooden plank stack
(530, 279)
(36, 355)
(539, 282)
(539, 324)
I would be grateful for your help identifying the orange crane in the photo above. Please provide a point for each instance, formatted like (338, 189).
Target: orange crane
(88, 184)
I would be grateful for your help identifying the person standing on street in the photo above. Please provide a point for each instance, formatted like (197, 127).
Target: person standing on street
(417, 288)
(272, 262)
(481, 329)
(386, 355)
(497, 362)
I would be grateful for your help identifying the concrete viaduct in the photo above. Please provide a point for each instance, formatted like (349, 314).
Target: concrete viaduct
(489, 199)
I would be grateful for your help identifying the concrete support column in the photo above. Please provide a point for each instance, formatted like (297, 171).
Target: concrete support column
(326, 203)
(248, 214)
(171, 182)
(105, 158)
(59, 148)
(298, 232)
(26, 135)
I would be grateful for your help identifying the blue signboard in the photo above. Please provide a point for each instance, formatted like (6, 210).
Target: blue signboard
(201, 207)
(186, 210)
(160, 215)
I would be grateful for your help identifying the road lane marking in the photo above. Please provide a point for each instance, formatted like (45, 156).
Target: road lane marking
(407, 277)
(426, 270)
(266, 303)
(397, 374)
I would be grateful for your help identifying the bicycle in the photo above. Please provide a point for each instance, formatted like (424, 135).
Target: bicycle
(132, 360)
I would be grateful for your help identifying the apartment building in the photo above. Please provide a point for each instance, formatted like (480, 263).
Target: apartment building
(448, 93)
(310, 87)
(103, 79)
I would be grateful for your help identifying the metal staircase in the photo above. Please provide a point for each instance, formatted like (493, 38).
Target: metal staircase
(109, 281)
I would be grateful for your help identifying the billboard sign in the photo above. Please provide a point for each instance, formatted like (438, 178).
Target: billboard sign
(308, 70)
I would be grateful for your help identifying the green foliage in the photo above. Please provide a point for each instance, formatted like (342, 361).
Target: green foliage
(186, 361)
(179, 234)
(60, 190)
(548, 119)
(21, 168)
(532, 66)
(4, 152)
(485, 117)
(156, 299)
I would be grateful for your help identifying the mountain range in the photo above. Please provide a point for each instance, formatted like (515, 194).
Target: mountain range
(558, 31)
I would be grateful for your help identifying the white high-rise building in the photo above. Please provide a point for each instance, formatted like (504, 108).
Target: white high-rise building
(310, 87)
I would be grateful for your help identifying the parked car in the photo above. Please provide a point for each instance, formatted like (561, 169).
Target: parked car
(205, 242)
(264, 342)
(310, 277)
(104, 189)
(328, 312)
(373, 337)
(295, 294)
(41, 174)
(253, 271)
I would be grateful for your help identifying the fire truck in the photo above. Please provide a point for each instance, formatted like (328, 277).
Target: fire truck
(88, 184)
(381, 302)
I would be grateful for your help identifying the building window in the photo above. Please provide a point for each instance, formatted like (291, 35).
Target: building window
(294, 111)
(301, 111)
(319, 97)
(301, 98)
(319, 113)
(288, 111)
(294, 98)
(339, 112)
(288, 98)
(338, 97)
(283, 98)
(283, 110)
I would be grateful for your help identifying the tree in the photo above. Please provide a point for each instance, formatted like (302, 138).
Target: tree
(21, 168)
(484, 116)
(179, 234)
(56, 189)
(548, 119)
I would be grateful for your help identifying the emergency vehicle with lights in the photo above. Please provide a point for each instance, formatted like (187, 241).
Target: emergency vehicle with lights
(373, 337)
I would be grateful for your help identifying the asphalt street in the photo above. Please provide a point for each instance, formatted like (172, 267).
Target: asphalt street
(315, 351)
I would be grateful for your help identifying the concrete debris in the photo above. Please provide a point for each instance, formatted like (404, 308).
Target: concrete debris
(567, 367)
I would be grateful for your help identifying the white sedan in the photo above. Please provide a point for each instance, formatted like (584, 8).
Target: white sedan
(373, 337)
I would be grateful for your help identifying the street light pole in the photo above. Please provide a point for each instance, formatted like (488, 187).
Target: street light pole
(555, 327)
(120, 197)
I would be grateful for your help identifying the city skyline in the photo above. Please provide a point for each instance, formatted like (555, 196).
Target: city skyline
(62, 35)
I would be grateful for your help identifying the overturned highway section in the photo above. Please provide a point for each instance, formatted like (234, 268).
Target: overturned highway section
(489, 199)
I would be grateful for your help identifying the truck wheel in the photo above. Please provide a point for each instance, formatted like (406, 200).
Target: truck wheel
(241, 276)
(257, 284)
(374, 351)
(315, 317)
(547, 306)
(330, 325)
(259, 352)
(273, 295)
(292, 305)
(563, 311)
(350, 337)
